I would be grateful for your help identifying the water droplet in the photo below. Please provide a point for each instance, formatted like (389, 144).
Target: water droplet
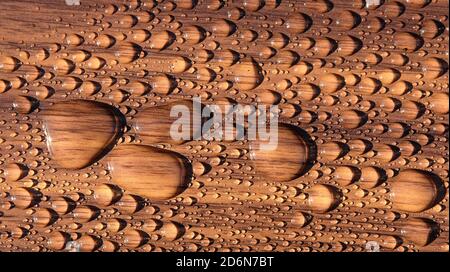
(420, 231)
(57, 240)
(25, 104)
(135, 238)
(439, 103)
(415, 191)
(23, 198)
(323, 198)
(161, 40)
(163, 84)
(127, 52)
(107, 194)
(407, 40)
(172, 230)
(353, 119)
(300, 219)
(80, 132)
(153, 125)
(346, 175)
(291, 158)
(158, 174)
(298, 22)
(16, 171)
(247, 75)
(9, 64)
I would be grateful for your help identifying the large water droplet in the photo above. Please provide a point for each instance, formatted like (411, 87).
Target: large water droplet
(247, 75)
(148, 171)
(408, 41)
(153, 124)
(420, 231)
(298, 22)
(81, 132)
(172, 230)
(415, 190)
(291, 158)
(323, 198)
(16, 171)
(439, 103)
(127, 52)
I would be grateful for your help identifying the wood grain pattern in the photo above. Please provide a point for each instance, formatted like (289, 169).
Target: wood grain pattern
(362, 91)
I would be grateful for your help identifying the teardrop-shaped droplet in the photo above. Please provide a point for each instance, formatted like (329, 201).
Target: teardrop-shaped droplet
(285, 159)
(80, 132)
(415, 190)
(148, 171)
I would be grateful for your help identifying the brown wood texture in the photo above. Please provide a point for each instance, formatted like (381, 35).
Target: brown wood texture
(87, 162)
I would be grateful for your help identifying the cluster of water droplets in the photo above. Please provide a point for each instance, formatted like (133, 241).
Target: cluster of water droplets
(87, 162)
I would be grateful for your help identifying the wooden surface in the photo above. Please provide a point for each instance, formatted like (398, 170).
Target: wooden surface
(87, 164)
